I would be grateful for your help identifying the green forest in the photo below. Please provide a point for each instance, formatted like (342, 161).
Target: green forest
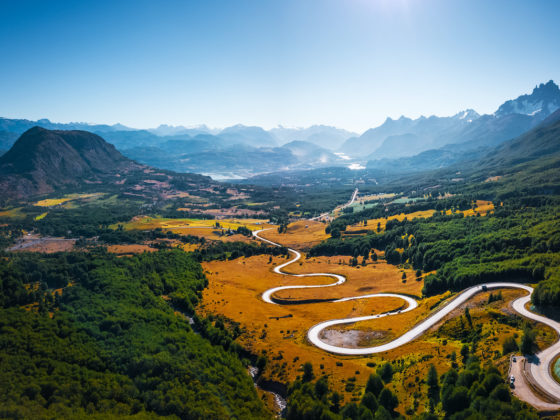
(470, 392)
(110, 345)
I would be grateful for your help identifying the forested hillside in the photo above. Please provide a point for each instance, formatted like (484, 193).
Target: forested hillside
(101, 340)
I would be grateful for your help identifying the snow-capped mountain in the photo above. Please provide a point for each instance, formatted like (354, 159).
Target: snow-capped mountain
(466, 130)
(543, 101)
(469, 115)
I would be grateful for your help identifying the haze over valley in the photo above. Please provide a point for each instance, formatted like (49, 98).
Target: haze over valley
(241, 152)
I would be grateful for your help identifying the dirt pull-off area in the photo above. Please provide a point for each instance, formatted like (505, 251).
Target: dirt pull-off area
(351, 338)
(525, 390)
(47, 244)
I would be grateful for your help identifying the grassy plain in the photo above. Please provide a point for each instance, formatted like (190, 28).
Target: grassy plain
(280, 331)
(300, 235)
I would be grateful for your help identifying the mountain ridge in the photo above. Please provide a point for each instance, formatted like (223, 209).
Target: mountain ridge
(42, 160)
(464, 131)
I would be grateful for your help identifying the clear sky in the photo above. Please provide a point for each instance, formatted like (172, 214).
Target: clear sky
(349, 63)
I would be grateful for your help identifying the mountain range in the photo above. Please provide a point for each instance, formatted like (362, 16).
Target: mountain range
(535, 152)
(467, 130)
(232, 152)
(240, 151)
(42, 161)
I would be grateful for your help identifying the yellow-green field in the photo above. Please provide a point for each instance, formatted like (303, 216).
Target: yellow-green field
(147, 222)
(41, 216)
(50, 202)
(14, 213)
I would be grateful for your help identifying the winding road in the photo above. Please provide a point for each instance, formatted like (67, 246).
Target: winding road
(540, 369)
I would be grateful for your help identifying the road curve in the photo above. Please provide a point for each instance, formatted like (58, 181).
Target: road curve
(349, 203)
(540, 371)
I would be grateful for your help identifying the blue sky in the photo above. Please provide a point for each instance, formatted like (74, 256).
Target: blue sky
(349, 63)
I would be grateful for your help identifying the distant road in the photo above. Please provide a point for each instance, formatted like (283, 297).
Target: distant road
(352, 199)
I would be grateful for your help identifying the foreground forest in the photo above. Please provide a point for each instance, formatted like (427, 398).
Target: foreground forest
(109, 344)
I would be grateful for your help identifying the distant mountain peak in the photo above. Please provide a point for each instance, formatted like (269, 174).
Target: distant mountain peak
(549, 86)
(543, 101)
(467, 115)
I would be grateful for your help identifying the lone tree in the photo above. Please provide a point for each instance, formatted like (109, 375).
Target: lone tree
(468, 316)
(433, 386)
(386, 372)
(307, 372)
(509, 345)
(528, 340)
(374, 384)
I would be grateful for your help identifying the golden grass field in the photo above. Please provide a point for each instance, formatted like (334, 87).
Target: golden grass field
(302, 234)
(205, 228)
(212, 234)
(372, 223)
(234, 292)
